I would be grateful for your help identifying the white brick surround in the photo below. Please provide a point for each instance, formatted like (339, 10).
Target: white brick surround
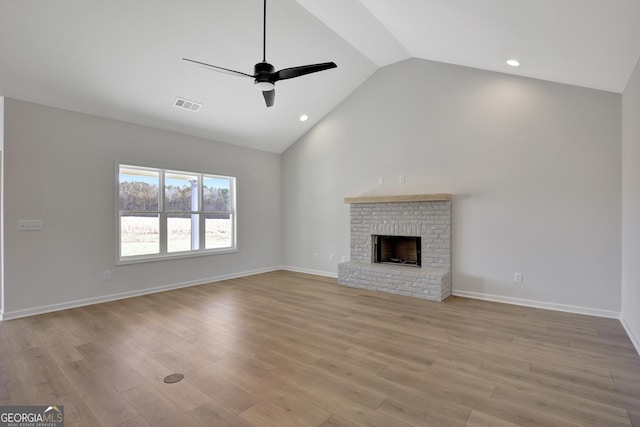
(428, 219)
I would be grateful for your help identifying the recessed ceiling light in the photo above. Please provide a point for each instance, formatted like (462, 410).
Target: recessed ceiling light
(513, 62)
(303, 118)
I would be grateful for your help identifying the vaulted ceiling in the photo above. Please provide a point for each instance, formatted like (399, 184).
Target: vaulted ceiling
(123, 59)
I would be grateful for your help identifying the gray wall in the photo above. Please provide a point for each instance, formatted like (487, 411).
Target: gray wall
(1, 204)
(49, 151)
(631, 207)
(534, 168)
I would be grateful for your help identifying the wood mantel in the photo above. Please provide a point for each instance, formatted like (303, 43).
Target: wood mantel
(440, 197)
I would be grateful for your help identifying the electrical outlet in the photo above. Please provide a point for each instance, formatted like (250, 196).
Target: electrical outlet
(315, 255)
(401, 179)
(330, 257)
(343, 258)
(107, 275)
(380, 180)
(30, 225)
(517, 277)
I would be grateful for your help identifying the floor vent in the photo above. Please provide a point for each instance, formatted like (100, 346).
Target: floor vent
(187, 104)
(173, 378)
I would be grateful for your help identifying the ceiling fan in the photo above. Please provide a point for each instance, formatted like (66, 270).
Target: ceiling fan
(264, 74)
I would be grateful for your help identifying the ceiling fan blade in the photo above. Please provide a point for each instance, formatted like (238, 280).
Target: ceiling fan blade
(289, 73)
(219, 69)
(269, 97)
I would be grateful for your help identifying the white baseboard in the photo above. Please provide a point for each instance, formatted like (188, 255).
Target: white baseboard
(540, 304)
(475, 295)
(113, 297)
(496, 298)
(634, 340)
(308, 271)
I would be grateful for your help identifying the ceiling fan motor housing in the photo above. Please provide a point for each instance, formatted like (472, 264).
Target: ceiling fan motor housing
(263, 71)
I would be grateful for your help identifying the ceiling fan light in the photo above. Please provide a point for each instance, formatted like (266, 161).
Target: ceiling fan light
(264, 86)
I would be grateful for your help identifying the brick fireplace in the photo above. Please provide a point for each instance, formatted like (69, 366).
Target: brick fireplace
(388, 233)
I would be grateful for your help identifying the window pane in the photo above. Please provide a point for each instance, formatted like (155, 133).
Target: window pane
(180, 192)
(218, 229)
(182, 232)
(158, 221)
(138, 189)
(139, 234)
(217, 194)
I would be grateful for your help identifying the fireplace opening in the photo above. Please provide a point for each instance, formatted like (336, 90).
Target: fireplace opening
(397, 250)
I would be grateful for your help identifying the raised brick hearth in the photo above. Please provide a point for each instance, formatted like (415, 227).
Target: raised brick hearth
(424, 216)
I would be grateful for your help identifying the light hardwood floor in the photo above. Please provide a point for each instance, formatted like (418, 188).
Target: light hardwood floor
(288, 349)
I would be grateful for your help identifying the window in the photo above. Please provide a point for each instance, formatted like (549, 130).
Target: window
(166, 213)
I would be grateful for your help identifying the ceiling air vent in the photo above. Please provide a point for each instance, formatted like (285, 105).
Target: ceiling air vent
(187, 104)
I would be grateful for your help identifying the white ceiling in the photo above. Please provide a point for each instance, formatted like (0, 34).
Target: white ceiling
(590, 43)
(122, 59)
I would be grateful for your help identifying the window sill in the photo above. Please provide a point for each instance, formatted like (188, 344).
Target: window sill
(180, 255)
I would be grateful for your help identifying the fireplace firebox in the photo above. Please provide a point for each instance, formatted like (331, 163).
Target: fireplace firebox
(397, 250)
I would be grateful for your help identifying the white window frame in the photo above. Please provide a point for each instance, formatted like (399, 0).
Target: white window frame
(163, 214)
